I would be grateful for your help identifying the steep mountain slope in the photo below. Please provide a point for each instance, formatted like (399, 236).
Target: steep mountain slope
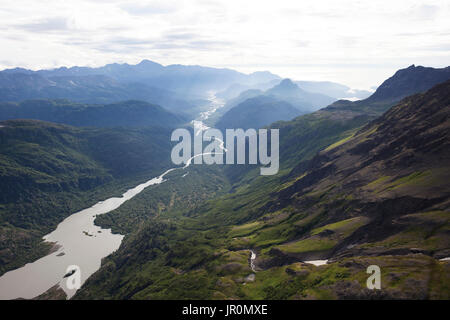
(48, 171)
(391, 176)
(379, 197)
(305, 135)
(127, 113)
(256, 113)
(403, 83)
(408, 81)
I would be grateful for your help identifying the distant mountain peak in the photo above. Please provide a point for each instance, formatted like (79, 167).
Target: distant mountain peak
(263, 72)
(147, 62)
(287, 84)
(17, 70)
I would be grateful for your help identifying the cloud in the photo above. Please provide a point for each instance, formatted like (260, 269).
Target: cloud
(141, 9)
(302, 44)
(132, 45)
(165, 43)
(440, 47)
(111, 48)
(54, 24)
(413, 34)
(333, 40)
(208, 44)
(347, 41)
(128, 41)
(181, 36)
(427, 12)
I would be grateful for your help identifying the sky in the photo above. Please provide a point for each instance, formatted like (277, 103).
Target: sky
(357, 43)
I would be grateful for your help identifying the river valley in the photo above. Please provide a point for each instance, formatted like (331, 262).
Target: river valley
(79, 244)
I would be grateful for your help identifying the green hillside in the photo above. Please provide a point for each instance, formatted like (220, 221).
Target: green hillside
(380, 197)
(48, 171)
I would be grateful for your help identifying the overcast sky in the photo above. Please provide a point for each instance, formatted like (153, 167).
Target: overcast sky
(358, 43)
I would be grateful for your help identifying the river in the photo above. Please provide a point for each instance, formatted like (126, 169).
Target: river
(80, 242)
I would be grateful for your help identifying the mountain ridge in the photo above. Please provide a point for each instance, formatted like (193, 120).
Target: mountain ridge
(185, 79)
(256, 113)
(403, 83)
(132, 113)
(287, 94)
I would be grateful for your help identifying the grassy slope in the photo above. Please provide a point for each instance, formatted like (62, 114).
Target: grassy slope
(339, 205)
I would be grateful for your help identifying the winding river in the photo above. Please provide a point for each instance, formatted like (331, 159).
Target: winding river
(80, 242)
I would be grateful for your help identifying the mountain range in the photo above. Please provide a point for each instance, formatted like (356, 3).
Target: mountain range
(254, 108)
(186, 80)
(360, 183)
(288, 91)
(326, 88)
(99, 89)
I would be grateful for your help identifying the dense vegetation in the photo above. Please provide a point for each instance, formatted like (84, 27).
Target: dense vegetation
(379, 196)
(49, 171)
